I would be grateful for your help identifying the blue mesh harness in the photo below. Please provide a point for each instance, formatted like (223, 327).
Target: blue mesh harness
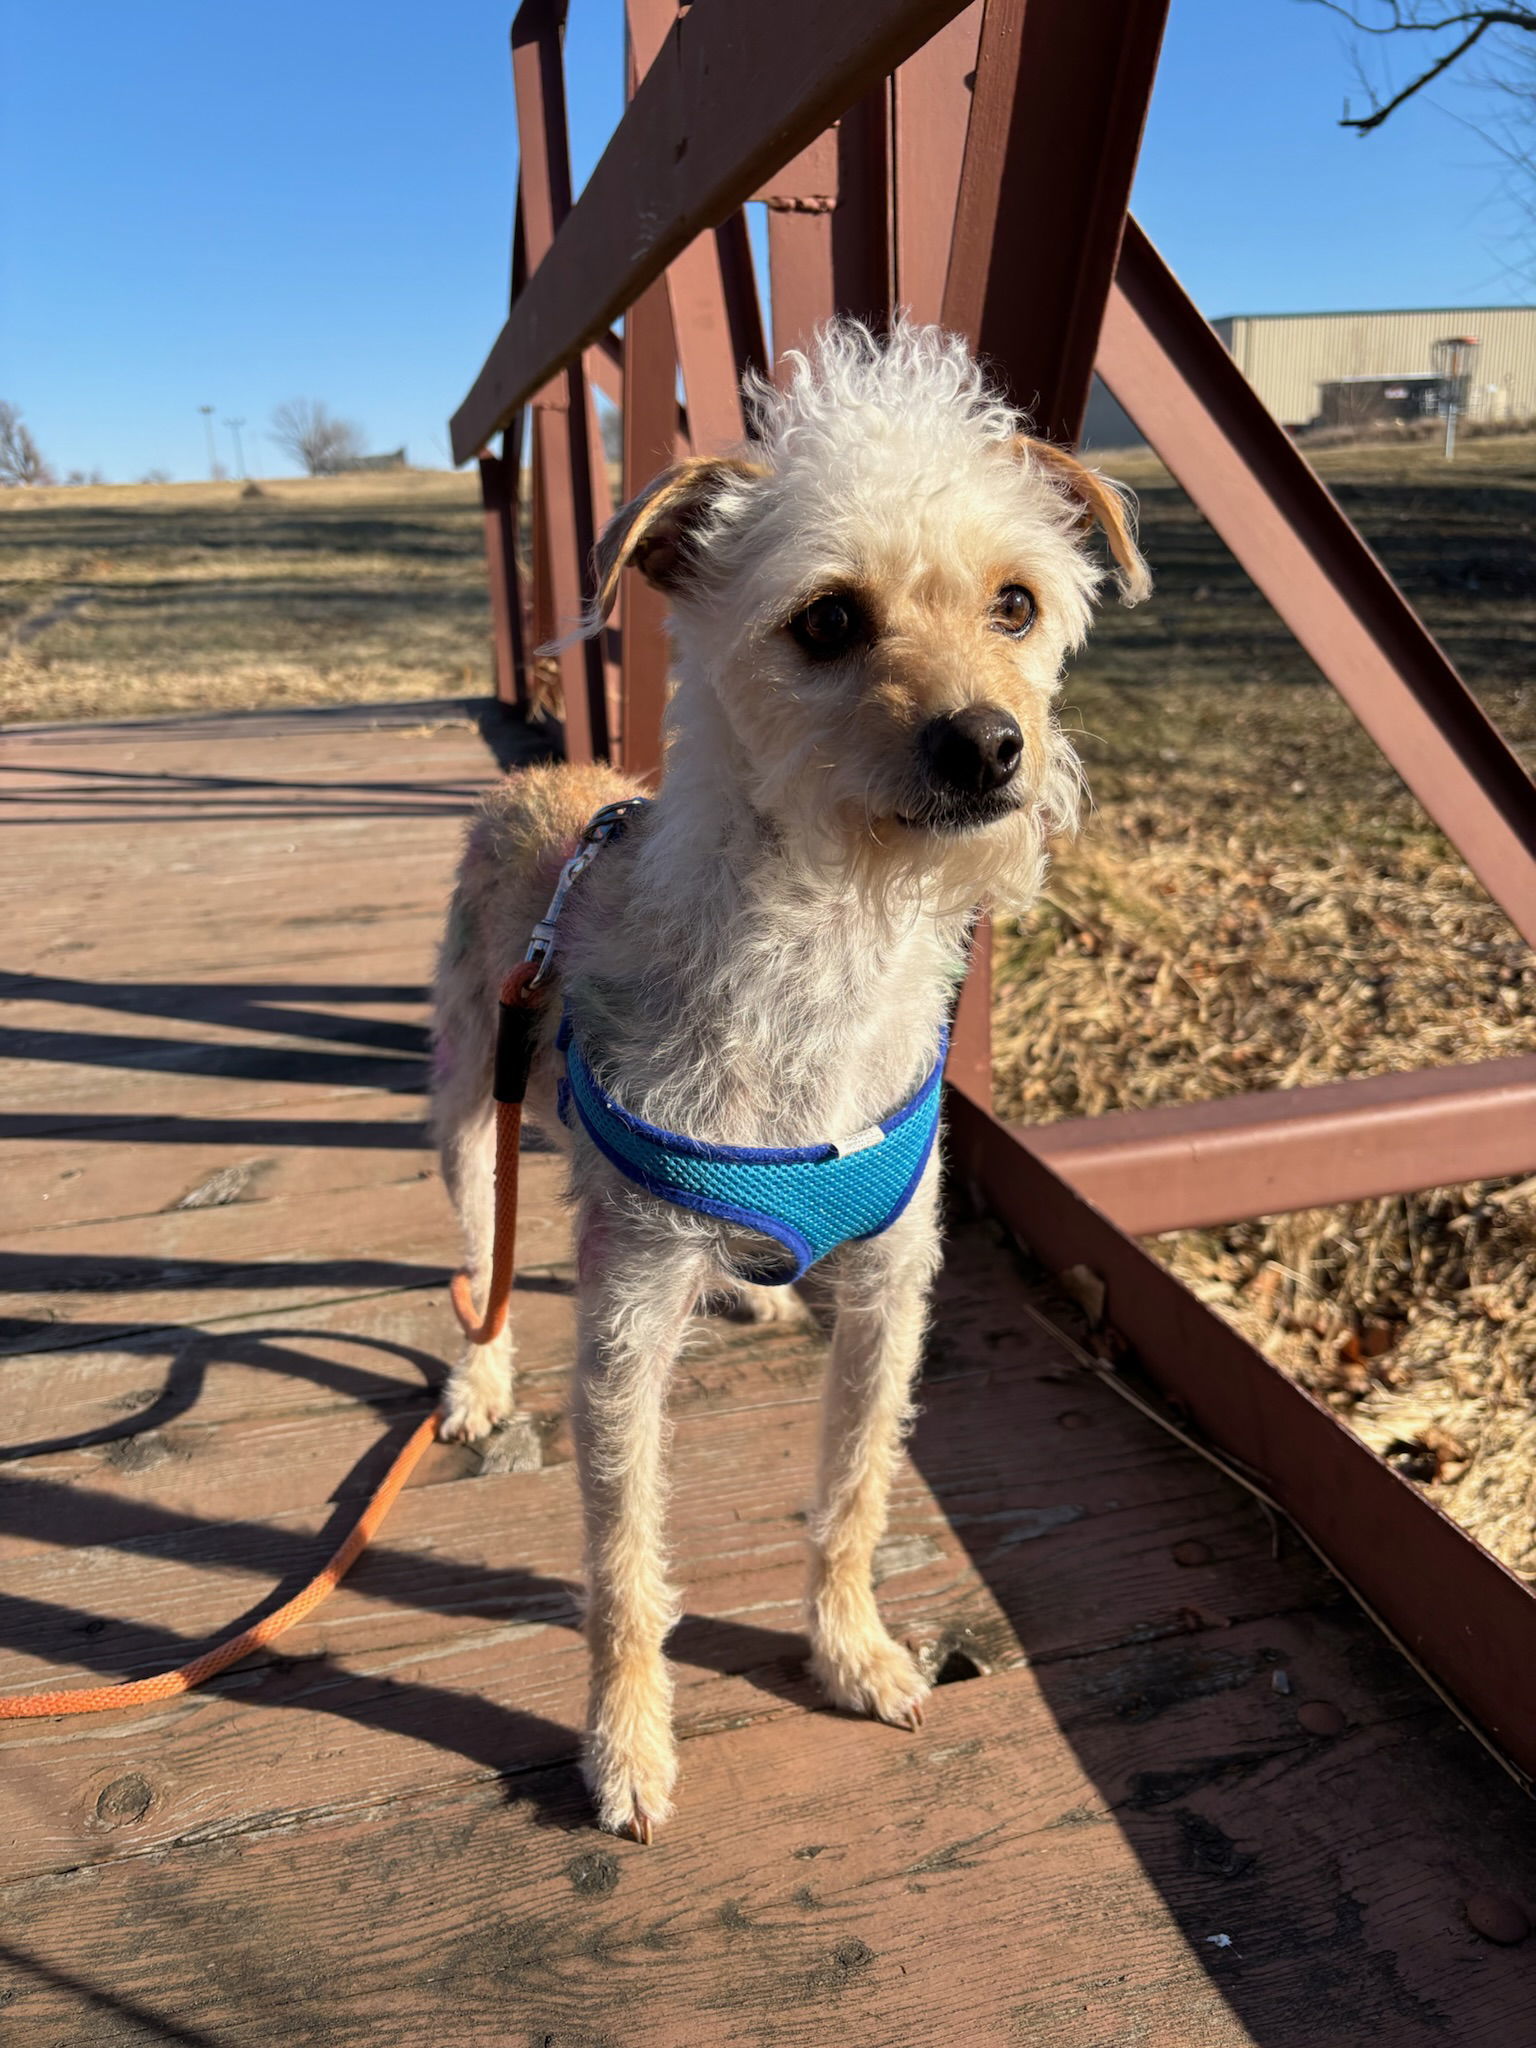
(808, 1198)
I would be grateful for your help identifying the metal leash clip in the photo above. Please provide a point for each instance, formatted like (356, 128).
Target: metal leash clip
(601, 827)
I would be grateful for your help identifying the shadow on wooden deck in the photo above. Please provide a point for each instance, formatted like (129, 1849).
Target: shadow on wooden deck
(224, 1279)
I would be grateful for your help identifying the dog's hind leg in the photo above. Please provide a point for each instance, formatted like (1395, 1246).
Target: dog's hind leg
(881, 1291)
(638, 1281)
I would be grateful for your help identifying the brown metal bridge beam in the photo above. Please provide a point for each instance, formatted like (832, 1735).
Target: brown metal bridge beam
(1173, 376)
(1460, 1612)
(1060, 103)
(562, 420)
(1193, 1165)
(733, 93)
(1050, 153)
(498, 501)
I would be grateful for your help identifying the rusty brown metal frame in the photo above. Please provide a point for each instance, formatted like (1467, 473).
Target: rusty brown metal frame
(509, 616)
(896, 143)
(563, 453)
(1035, 311)
(1038, 321)
(1468, 1620)
(734, 92)
(1191, 1165)
(501, 499)
(1168, 368)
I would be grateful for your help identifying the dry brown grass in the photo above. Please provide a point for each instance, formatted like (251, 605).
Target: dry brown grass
(1166, 970)
(130, 599)
(1258, 903)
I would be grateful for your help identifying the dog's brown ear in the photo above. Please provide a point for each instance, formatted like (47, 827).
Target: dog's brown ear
(1104, 503)
(653, 533)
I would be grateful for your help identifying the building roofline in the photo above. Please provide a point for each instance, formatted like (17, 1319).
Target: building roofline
(1376, 313)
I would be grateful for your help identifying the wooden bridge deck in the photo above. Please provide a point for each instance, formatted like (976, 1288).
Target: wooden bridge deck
(225, 1263)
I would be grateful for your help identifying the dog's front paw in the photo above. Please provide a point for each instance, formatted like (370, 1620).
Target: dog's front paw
(871, 1674)
(476, 1400)
(631, 1780)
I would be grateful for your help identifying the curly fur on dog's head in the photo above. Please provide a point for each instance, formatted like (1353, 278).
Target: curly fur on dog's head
(893, 550)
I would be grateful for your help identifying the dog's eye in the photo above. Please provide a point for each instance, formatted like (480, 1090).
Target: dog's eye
(1013, 611)
(831, 626)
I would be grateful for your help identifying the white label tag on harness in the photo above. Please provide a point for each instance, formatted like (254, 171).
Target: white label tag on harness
(859, 1142)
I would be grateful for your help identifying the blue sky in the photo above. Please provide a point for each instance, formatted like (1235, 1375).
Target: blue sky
(203, 204)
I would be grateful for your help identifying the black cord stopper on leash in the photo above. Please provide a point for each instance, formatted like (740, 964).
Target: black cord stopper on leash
(516, 1034)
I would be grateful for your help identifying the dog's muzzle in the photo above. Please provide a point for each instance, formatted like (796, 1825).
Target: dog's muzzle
(967, 761)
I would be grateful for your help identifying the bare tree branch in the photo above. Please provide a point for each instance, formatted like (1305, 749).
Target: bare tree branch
(1414, 19)
(1411, 24)
(1366, 122)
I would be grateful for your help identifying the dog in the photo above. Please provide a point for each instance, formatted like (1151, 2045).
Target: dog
(871, 608)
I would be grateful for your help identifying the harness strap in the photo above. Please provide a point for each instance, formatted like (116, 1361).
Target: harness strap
(522, 998)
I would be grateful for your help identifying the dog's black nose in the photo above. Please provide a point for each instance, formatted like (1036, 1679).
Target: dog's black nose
(973, 751)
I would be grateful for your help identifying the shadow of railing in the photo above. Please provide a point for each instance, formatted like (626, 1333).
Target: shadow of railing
(1282, 1857)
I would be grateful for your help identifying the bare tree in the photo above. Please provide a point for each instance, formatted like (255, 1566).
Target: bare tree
(310, 432)
(1465, 27)
(20, 459)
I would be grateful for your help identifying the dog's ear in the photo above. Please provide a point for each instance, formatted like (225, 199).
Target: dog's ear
(1100, 502)
(654, 532)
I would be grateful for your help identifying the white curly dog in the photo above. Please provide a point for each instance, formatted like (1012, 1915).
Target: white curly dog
(871, 609)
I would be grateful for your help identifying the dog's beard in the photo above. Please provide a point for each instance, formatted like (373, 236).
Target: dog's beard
(948, 867)
(941, 867)
(911, 851)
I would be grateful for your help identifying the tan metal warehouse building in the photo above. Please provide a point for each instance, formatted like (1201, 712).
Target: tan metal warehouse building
(1287, 357)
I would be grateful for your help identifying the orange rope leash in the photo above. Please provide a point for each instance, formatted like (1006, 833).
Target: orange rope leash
(519, 1003)
(486, 1329)
(138, 1692)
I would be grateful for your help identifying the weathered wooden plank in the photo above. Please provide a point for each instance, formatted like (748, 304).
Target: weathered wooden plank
(742, 1472)
(122, 1045)
(182, 927)
(74, 1073)
(468, 1597)
(105, 1167)
(83, 1284)
(987, 1881)
(373, 744)
(375, 1350)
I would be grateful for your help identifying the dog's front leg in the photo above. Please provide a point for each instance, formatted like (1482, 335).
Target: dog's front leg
(639, 1281)
(881, 1290)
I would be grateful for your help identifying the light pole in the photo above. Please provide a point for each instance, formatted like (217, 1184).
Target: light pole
(234, 427)
(213, 460)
